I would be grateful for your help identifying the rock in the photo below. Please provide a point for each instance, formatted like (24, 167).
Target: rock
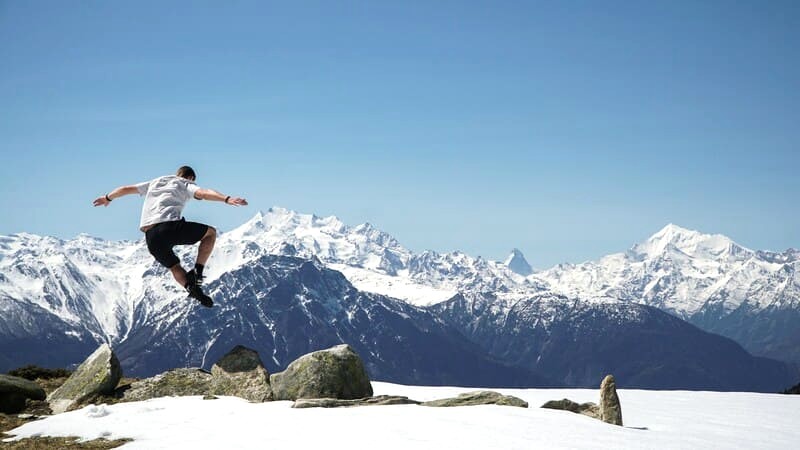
(98, 375)
(337, 372)
(369, 401)
(242, 374)
(610, 409)
(210, 397)
(175, 383)
(15, 390)
(587, 409)
(479, 398)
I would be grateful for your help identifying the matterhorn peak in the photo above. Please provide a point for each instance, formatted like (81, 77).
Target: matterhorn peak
(517, 263)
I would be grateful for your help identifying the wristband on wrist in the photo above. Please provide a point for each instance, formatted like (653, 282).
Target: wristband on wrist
(108, 198)
(227, 198)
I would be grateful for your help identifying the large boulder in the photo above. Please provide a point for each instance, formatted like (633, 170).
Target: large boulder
(337, 372)
(479, 398)
(369, 401)
(242, 374)
(610, 409)
(587, 409)
(173, 383)
(98, 375)
(14, 391)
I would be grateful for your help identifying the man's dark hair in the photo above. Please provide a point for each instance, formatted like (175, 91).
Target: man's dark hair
(186, 172)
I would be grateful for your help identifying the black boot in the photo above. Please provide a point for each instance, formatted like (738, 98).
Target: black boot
(193, 287)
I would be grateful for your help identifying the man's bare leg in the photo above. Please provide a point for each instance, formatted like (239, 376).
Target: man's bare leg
(206, 246)
(179, 274)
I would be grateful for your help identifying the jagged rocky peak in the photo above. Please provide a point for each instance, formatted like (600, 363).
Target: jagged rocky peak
(517, 263)
(690, 242)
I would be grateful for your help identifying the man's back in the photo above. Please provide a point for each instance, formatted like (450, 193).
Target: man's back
(165, 198)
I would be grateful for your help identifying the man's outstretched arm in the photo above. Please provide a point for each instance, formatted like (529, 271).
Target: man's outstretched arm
(116, 193)
(210, 194)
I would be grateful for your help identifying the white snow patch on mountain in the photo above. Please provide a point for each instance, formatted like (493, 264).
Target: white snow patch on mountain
(399, 286)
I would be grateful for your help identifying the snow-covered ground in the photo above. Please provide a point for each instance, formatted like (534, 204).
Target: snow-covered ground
(653, 419)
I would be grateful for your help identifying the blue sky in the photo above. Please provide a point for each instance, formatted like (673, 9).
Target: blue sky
(567, 129)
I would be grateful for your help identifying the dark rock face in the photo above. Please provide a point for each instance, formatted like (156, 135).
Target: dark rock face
(334, 373)
(14, 391)
(610, 409)
(337, 403)
(771, 332)
(577, 343)
(588, 409)
(45, 340)
(241, 373)
(479, 398)
(99, 374)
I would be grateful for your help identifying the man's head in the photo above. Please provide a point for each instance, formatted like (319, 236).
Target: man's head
(186, 172)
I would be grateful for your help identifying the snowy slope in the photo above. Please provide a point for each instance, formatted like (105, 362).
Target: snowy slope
(653, 419)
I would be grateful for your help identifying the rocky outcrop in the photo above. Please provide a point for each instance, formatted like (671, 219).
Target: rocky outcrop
(479, 398)
(337, 372)
(242, 374)
(97, 375)
(610, 409)
(369, 401)
(14, 391)
(173, 383)
(587, 409)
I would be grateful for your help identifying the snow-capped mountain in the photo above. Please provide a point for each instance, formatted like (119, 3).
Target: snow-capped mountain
(709, 280)
(517, 263)
(279, 284)
(59, 299)
(371, 259)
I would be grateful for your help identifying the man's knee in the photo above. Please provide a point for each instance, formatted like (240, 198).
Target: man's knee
(211, 233)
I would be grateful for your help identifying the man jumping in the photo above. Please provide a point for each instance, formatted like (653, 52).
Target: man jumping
(165, 227)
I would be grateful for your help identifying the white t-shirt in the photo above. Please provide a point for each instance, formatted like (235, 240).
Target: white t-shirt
(165, 198)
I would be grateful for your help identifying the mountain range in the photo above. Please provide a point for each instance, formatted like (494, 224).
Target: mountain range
(289, 283)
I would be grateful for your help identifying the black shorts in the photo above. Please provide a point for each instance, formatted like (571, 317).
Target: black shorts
(165, 235)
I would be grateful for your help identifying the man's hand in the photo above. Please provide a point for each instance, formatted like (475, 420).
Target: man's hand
(237, 201)
(116, 193)
(101, 201)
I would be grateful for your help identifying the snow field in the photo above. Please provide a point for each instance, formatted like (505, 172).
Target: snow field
(653, 419)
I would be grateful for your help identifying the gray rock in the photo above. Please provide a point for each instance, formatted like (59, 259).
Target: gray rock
(242, 374)
(98, 375)
(479, 398)
(610, 409)
(15, 390)
(587, 409)
(337, 372)
(173, 383)
(369, 401)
